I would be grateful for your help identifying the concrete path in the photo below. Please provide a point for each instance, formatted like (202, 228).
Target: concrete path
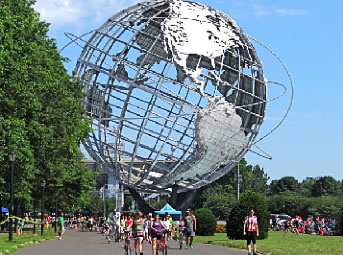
(92, 243)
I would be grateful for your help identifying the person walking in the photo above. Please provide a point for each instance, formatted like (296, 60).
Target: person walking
(21, 227)
(147, 230)
(138, 232)
(60, 227)
(190, 228)
(156, 227)
(251, 231)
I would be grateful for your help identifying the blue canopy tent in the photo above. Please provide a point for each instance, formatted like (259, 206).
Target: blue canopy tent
(168, 209)
(4, 210)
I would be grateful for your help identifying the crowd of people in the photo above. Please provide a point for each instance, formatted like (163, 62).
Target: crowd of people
(310, 225)
(153, 229)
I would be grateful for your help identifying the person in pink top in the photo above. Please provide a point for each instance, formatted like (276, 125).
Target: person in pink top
(251, 231)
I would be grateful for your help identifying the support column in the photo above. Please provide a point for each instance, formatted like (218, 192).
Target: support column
(173, 197)
(143, 205)
(184, 204)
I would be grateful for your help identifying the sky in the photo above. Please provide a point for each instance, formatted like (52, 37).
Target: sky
(306, 35)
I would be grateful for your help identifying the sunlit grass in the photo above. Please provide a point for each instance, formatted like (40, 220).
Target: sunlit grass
(280, 243)
(21, 241)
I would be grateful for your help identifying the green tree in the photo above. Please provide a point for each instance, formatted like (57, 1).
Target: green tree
(305, 187)
(340, 223)
(128, 202)
(158, 204)
(42, 118)
(325, 186)
(287, 183)
(249, 200)
(206, 222)
(220, 200)
(290, 203)
(94, 205)
(325, 206)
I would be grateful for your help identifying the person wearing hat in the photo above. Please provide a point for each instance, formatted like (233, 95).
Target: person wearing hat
(190, 228)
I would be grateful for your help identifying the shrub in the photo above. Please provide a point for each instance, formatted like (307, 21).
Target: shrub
(206, 222)
(249, 200)
(340, 224)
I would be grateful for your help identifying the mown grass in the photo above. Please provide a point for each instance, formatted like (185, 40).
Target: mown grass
(279, 243)
(18, 242)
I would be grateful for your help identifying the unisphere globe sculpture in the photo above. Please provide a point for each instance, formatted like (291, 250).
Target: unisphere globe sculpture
(176, 93)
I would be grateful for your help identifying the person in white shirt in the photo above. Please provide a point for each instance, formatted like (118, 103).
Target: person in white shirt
(167, 224)
(251, 231)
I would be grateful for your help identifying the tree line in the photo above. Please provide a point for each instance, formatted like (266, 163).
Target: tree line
(322, 196)
(42, 119)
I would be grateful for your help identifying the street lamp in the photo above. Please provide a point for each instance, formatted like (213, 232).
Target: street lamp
(102, 190)
(238, 177)
(42, 209)
(12, 157)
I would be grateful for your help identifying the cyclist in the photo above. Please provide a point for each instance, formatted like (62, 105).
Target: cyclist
(138, 232)
(179, 234)
(182, 224)
(106, 226)
(156, 227)
(190, 228)
(251, 231)
(115, 223)
(127, 233)
(122, 226)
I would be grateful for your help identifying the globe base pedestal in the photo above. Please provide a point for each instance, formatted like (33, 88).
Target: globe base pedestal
(185, 200)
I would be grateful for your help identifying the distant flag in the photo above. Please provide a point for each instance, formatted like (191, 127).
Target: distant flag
(115, 130)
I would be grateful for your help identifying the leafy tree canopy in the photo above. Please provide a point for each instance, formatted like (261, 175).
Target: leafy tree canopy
(287, 183)
(326, 186)
(41, 116)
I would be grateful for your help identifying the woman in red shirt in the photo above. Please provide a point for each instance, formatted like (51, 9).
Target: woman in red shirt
(251, 231)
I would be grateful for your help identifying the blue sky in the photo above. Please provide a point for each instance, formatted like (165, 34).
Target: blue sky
(307, 35)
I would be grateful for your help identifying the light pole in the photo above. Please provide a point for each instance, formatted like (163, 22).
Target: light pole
(102, 191)
(42, 209)
(55, 214)
(239, 178)
(103, 198)
(12, 157)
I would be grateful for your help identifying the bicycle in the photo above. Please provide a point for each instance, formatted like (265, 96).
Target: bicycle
(110, 234)
(117, 235)
(180, 237)
(127, 244)
(164, 245)
(83, 227)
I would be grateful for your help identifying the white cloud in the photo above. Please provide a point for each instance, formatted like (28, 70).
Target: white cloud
(261, 10)
(65, 12)
(290, 12)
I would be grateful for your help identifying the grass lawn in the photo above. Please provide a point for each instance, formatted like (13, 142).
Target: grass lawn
(21, 241)
(279, 243)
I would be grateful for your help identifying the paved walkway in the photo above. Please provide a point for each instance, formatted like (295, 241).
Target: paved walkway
(92, 243)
